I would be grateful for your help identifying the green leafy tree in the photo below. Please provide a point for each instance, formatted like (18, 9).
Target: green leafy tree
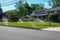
(22, 11)
(29, 9)
(20, 8)
(54, 3)
(37, 6)
(12, 15)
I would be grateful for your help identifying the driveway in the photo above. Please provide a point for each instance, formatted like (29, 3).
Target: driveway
(52, 29)
(11, 33)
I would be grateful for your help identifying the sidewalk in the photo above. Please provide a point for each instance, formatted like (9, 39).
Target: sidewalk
(52, 29)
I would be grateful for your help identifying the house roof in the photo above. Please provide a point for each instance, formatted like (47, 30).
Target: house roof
(53, 9)
(39, 12)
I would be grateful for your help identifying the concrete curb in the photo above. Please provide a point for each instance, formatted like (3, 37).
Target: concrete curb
(23, 27)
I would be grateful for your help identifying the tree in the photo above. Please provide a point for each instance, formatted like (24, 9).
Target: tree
(22, 11)
(12, 15)
(54, 3)
(37, 6)
(19, 8)
(29, 9)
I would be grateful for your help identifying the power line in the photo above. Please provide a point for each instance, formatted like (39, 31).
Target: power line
(9, 4)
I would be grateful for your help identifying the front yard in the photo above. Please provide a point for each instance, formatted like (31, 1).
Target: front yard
(31, 24)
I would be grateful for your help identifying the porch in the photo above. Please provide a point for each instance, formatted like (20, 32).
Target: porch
(56, 12)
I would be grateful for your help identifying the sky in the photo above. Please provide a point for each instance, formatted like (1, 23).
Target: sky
(12, 7)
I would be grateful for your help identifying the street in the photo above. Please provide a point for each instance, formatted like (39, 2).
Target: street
(13, 33)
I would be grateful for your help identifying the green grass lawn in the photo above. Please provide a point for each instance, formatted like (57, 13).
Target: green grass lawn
(32, 24)
(1, 23)
(29, 24)
(55, 24)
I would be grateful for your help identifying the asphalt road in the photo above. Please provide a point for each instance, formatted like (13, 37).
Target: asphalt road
(11, 33)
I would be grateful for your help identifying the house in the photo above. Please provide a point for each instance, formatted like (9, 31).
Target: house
(44, 14)
(41, 14)
(55, 11)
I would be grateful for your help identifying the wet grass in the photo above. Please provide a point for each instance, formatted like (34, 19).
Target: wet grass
(29, 24)
(32, 24)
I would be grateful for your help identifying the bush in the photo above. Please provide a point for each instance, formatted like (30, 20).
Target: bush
(31, 19)
(12, 15)
(54, 18)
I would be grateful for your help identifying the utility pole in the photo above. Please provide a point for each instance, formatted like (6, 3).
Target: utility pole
(1, 9)
(49, 19)
(0, 13)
